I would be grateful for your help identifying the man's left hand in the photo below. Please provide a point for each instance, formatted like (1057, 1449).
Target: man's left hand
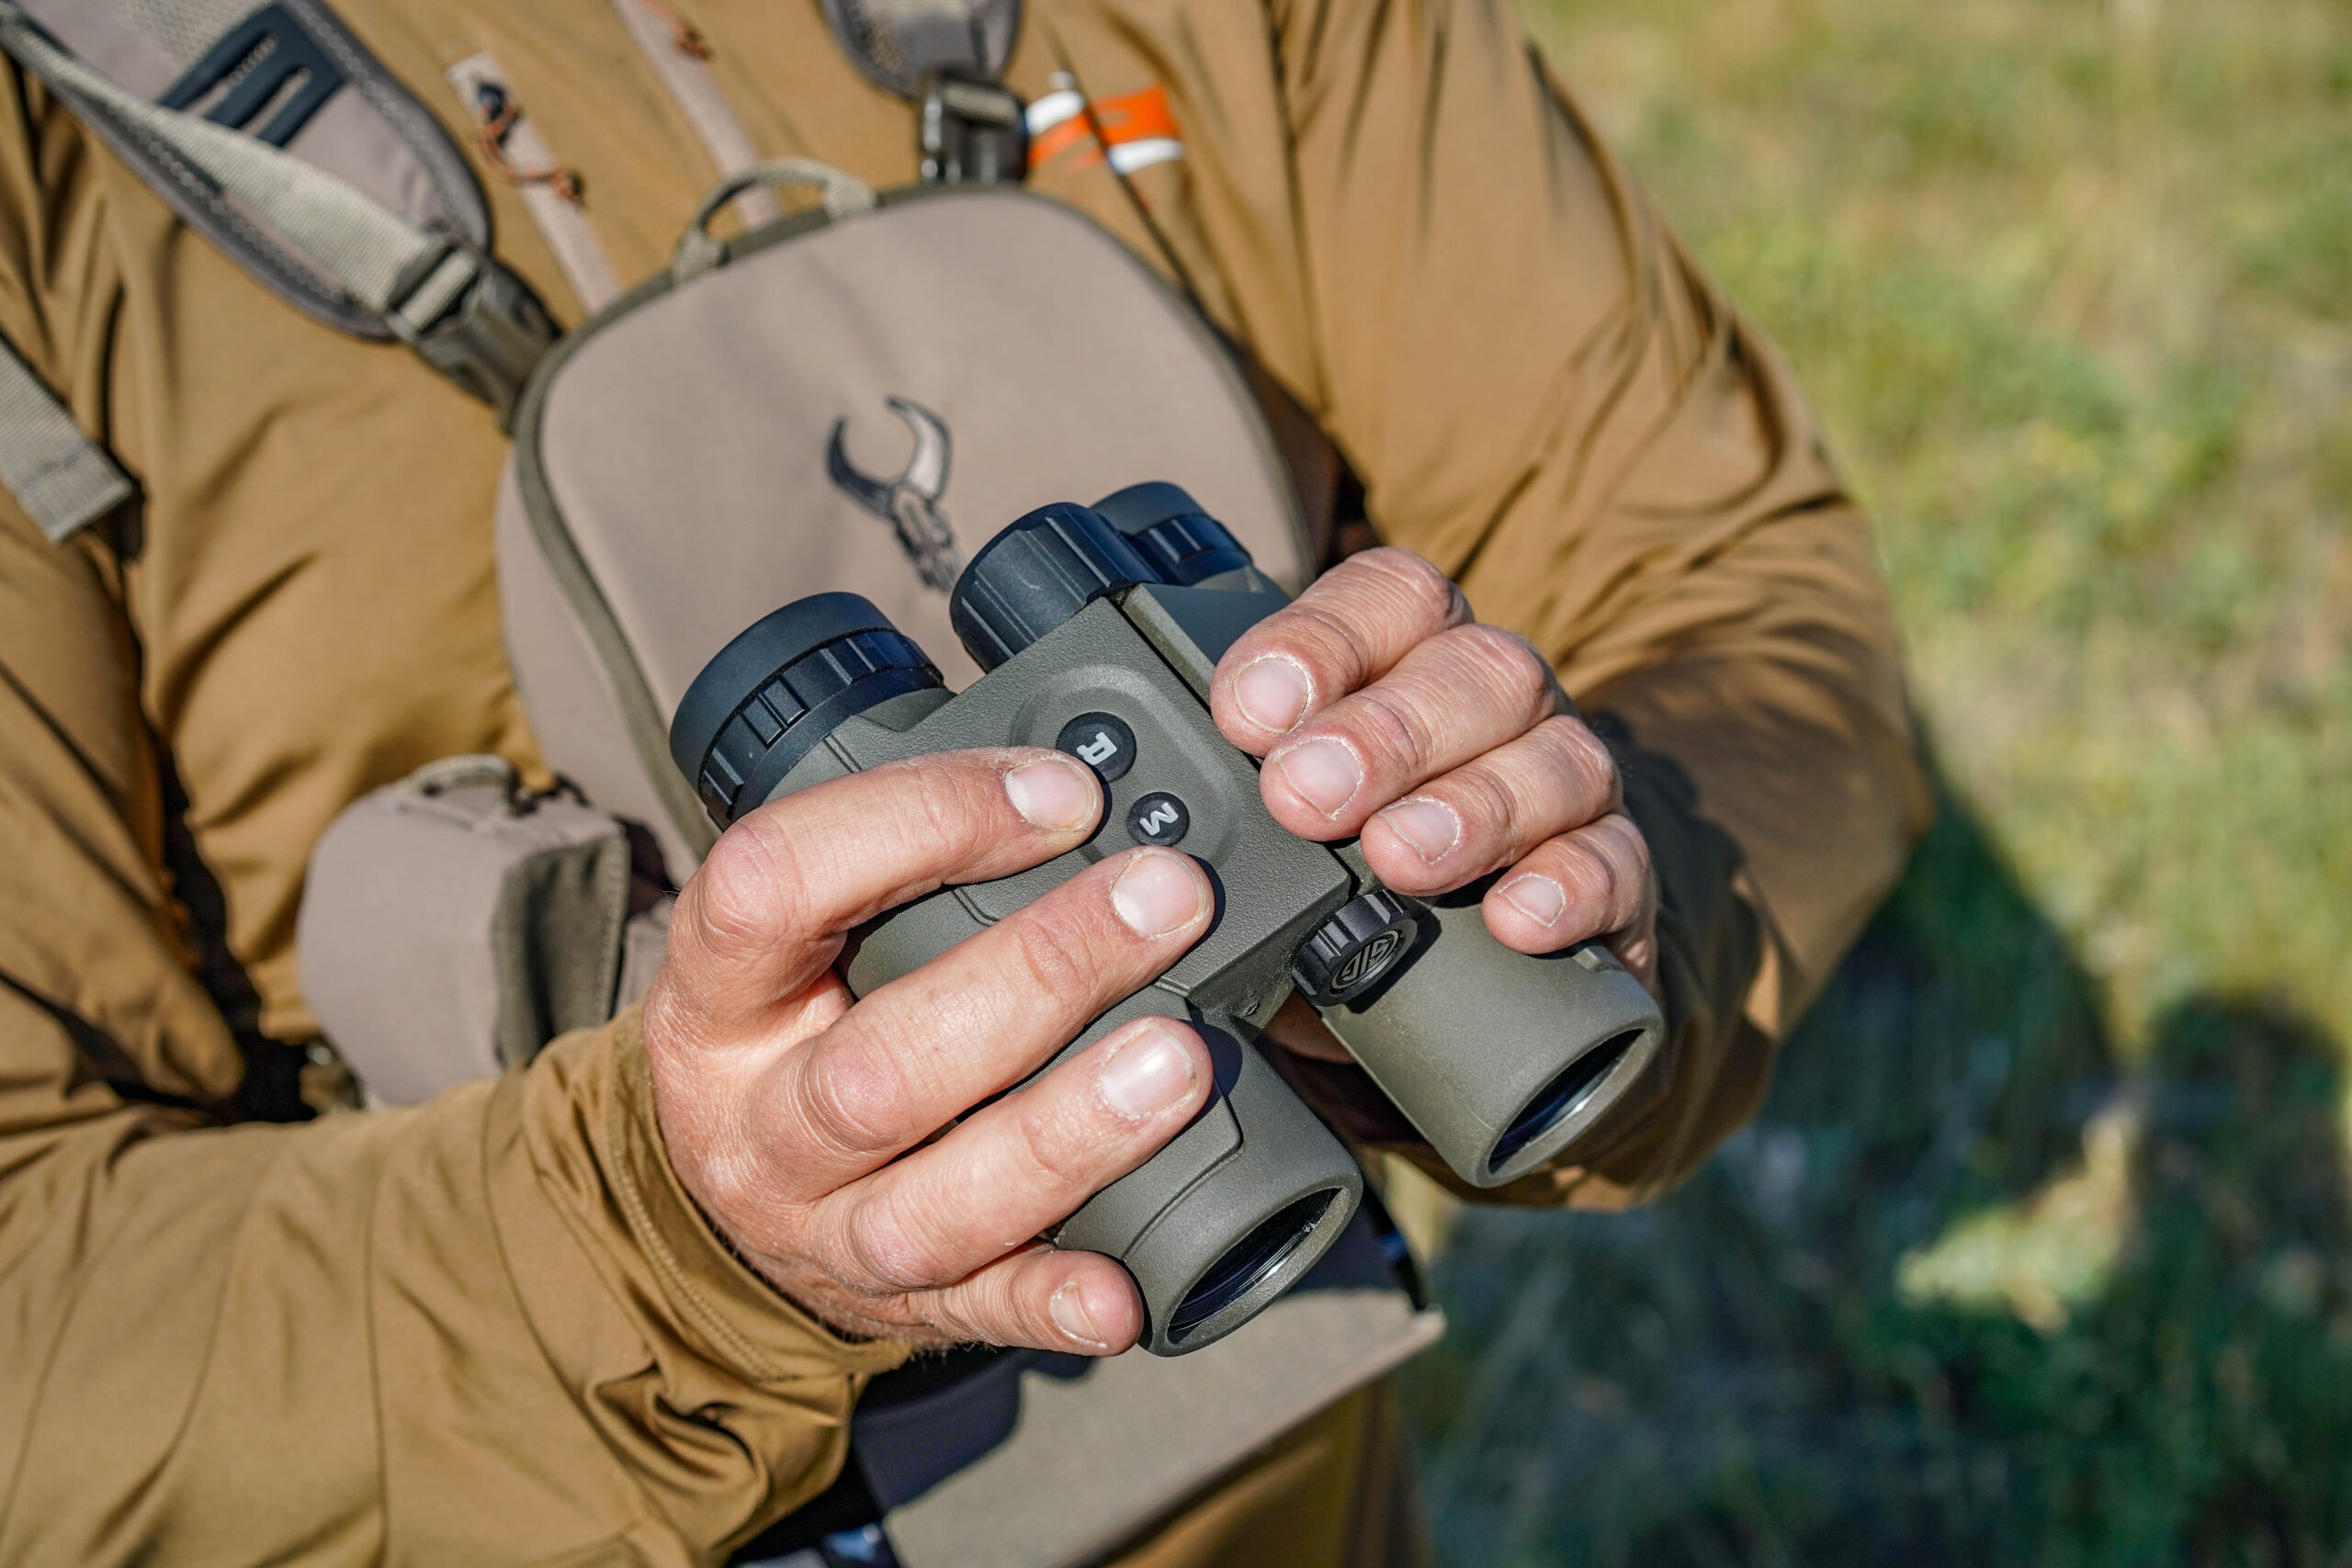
(1382, 709)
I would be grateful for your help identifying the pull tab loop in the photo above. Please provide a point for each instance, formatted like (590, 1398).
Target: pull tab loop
(844, 195)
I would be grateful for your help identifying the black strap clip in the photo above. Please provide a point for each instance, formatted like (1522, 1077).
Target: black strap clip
(972, 132)
(488, 338)
(268, 59)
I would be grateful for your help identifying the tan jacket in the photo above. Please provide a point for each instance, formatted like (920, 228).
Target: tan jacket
(492, 1329)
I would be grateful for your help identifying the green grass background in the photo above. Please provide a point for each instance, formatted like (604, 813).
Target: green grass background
(2041, 1251)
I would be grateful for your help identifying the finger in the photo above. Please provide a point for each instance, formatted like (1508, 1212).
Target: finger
(923, 1049)
(1493, 810)
(764, 915)
(1023, 1164)
(1348, 628)
(1458, 696)
(1042, 1298)
(1589, 883)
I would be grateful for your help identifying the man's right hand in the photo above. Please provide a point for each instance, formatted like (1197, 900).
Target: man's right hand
(787, 1105)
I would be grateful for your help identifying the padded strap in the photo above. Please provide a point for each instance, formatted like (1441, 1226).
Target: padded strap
(63, 480)
(359, 244)
(467, 316)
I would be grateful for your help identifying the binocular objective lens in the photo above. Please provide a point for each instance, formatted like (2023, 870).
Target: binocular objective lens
(1563, 1097)
(1249, 1261)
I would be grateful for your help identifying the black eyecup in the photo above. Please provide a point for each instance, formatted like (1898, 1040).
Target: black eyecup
(1137, 507)
(779, 687)
(758, 651)
(1185, 544)
(1040, 571)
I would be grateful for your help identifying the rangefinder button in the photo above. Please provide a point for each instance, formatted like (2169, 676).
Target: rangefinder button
(1101, 742)
(1158, 819)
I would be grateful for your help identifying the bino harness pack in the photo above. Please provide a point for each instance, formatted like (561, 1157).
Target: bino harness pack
(851, 398)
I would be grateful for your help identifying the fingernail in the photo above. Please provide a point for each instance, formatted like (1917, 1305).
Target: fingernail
(1273, 693)
(1540, 898)
(1052, 793)
(1157, 893)
(1324, 774)
(1430, 826)
(1068, 1307)
(1149, 1071)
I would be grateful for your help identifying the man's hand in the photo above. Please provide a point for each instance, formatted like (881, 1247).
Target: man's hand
(802, 1121)
(806, 1125)
(1382, 709)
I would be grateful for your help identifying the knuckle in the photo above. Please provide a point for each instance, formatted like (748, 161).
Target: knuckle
(855, 1097)
(887, 1252)
(1336, 653)
(1631, 854)
(1414, 580)
(1054, 1153)
(1389, 726)
(1054, 950)
(956, 804)
(1503, 656)
(750, 884)
(1588, 872)
(1487, 802)
(986, 1308)
(1585, 760)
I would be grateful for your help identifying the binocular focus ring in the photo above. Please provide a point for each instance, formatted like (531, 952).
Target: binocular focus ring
(777, 690)
(1354, 948)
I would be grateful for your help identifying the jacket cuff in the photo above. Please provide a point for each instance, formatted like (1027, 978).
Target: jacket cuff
(742, 1316)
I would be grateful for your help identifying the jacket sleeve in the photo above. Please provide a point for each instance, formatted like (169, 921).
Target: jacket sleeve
(492, 1329)
(1541, 393)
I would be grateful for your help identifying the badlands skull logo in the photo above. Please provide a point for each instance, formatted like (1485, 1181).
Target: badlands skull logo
(910, 504)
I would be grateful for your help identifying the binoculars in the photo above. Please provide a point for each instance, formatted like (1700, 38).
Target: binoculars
(1097, 630)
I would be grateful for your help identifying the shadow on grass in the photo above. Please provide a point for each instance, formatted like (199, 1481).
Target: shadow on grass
(1734, 1375)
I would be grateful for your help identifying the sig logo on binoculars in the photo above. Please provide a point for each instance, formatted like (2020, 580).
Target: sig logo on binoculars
(1368, 962)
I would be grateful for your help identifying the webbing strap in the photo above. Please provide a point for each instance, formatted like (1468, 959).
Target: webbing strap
(355, 242)
(464, 314)
(63, 480)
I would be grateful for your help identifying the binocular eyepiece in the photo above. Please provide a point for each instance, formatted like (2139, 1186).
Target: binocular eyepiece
(1097, 629)
(781, 684)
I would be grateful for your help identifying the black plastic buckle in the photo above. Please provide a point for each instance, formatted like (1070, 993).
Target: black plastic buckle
(490, 336)
(261, 59)
(971, 133)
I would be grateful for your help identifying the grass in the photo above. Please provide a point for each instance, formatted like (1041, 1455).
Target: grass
(2040, 1251)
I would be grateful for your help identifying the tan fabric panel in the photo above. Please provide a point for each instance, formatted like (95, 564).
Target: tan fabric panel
(684, 444)
(447, 933)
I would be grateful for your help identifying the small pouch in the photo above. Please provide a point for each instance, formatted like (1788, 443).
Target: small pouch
(453, 924)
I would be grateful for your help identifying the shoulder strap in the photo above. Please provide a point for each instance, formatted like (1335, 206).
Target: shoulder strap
(315, 240)
(63, 480)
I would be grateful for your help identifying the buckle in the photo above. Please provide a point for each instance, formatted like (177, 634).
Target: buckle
(971, 133)
(480, 326)
(269, 62)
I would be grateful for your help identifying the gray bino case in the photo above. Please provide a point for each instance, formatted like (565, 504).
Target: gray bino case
(851, 398)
